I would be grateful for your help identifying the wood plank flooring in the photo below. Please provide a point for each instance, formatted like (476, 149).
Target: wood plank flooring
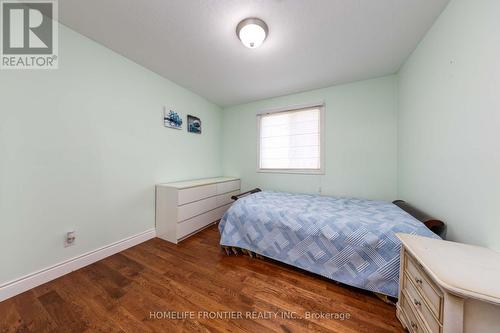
(207, 291)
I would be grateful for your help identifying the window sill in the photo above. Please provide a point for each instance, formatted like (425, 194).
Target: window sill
(293, 171)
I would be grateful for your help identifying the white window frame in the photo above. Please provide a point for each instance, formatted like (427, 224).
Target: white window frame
(321, 107)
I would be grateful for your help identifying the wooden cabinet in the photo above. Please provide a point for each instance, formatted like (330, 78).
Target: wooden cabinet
(448, 287)
(183, 208)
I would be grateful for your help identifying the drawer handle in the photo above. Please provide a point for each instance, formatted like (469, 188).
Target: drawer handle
(419, 281)
(416, 302)
(413, 325)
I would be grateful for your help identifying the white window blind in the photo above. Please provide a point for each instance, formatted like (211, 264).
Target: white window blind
(291, 140)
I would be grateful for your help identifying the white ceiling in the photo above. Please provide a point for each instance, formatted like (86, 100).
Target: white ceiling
(311, 44)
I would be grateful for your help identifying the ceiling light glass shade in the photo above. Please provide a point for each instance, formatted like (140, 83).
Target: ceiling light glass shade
(252, 32)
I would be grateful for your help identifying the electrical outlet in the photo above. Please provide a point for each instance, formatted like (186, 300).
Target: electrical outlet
(70, 239)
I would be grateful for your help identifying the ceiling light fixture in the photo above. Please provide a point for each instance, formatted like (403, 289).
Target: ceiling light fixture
(252, 32)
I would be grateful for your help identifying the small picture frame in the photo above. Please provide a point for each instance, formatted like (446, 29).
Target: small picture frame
(171, 119)
(193, 124)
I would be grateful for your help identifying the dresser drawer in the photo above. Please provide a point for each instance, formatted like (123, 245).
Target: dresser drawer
(191, 209)
(412, 323)
(228, 186)
(188, 195)
(224, 199)
(429, 291)
(187, 227)
(420, 305)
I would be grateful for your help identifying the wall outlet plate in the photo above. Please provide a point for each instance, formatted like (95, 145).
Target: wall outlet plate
(70, 239)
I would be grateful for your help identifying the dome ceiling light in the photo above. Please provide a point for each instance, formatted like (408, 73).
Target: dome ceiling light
(252, 32)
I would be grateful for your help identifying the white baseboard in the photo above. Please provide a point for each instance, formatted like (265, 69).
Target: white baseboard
(35, 279)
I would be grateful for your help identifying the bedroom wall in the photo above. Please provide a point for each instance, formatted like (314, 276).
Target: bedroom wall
(82, 147)
(449, 121)
(360, 141)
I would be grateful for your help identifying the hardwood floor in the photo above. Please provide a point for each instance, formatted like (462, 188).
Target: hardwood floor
(137, 289)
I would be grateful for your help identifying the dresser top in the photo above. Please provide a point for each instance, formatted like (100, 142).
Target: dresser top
(198, 182)
(465, 270)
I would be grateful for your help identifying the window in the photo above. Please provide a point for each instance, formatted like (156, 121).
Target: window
(290, 141)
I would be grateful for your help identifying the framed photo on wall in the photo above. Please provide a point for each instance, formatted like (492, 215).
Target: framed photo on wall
(171, 119)
(194, 124)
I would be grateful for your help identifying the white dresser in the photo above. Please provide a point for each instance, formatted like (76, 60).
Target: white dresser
(183, 208)
(448, 287)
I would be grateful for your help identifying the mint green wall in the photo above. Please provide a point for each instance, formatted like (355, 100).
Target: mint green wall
(449, 122)
(360, 141)
(82, 147)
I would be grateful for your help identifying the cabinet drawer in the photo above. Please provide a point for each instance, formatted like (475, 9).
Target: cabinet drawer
(228, 186)
(224, 199)
(413, 324)
(196, 193)
(421, 306)
(424, 285)
(185, 228)
(191, 209)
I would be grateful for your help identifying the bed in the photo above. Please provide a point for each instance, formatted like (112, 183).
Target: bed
(348, 240)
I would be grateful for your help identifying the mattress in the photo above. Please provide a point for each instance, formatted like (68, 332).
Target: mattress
(348, 240)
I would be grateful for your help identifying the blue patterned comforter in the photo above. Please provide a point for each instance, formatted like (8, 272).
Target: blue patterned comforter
(347, 240)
